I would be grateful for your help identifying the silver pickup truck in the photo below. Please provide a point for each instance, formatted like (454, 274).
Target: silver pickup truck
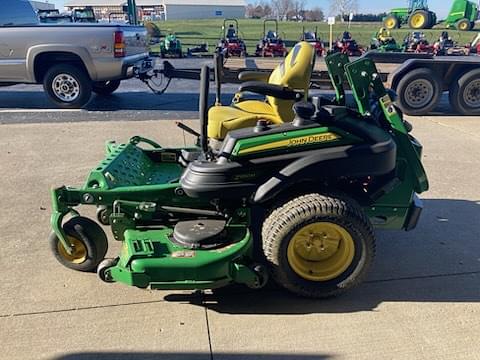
(70, 60)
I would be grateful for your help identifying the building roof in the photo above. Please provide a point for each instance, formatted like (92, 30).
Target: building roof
(155, 2)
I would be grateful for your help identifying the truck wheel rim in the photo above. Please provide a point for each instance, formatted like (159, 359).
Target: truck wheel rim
(419, 93)
(471, 94)
(320, 251)
(79, 254)
(66, 87)
(418, 20)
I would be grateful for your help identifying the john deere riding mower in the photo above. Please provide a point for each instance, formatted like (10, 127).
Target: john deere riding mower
(383, 41)
(171, 47)
(297, 200)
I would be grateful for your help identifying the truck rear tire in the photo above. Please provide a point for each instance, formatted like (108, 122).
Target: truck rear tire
(464, 94)
(418, 92)
(105, 87)
(67, 86)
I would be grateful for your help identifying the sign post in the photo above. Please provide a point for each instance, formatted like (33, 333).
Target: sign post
(331, 22)
(350, 18)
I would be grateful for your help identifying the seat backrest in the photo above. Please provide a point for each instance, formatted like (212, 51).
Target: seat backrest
(294, 72)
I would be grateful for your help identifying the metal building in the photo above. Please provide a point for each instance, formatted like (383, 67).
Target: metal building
(167, 9)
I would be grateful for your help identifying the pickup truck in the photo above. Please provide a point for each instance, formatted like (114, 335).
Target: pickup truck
(70, 60)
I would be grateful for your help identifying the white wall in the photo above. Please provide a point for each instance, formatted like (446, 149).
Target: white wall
(175, 12)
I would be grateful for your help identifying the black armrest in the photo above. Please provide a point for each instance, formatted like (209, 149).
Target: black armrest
(253, 75)
(276, 91)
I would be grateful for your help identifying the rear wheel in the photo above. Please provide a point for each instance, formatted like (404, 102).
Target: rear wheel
(105, 87)
(418, 19)
(317, 245)
(464, 94)
(68, 86)
(463, 25)
(89, 244)
(418, 92)
(391, 22)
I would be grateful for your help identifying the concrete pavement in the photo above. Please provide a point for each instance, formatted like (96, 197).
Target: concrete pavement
(421, 301)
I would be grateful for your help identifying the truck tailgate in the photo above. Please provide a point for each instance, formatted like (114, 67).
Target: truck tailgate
(135, 38)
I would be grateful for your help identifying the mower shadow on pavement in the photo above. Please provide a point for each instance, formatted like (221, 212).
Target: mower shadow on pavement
(438, 262)
(190, 356)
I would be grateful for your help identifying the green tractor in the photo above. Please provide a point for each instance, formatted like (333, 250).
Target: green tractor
(171, 47)
(416, 16)
(462, 16)
(297, 200)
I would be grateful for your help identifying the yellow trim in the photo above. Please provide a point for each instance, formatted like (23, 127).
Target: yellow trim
(297, 141)
(79, 254)
(463, 25)
(320, 251)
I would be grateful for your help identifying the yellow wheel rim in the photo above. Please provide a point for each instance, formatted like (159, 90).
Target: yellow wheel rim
(79, 254)
(390, 23)
(320, 251)
(463, 26)
(418, 20)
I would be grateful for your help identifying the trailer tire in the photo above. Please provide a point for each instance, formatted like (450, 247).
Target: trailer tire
(464, 93)
(105, 87)
(418, 92)
(68, 86)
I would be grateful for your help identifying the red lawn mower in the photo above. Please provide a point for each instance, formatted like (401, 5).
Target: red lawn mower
(231, 44)
(416, 42)
(271, 43)
(347, 45)
(313, 39)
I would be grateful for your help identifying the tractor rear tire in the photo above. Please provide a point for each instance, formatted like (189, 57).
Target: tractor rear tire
(463, 25)
(419, 19)
(464, 94)
(418, 92)
(391, 22)
(90, 244)
(317, 245)
(431, 20)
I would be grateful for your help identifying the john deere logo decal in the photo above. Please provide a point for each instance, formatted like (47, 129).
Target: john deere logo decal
(296, 141)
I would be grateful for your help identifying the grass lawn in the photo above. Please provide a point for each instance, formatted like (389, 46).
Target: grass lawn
(193, 32)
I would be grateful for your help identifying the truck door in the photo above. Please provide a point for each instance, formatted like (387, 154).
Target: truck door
(14, 16)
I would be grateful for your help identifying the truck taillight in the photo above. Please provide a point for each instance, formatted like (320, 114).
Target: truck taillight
(118, 44)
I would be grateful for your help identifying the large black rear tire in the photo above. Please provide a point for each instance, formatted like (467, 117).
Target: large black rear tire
(418, 92)
(318, 245)
(464, 94)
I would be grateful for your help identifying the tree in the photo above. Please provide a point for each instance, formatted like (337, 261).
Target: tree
(282, 7)
(343, 7)
(315, 14)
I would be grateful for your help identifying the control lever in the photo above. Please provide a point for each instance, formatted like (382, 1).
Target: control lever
(187, 129)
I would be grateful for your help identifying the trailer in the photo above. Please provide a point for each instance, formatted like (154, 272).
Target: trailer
(419, 82)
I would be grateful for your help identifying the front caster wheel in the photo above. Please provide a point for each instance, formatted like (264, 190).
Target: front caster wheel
(103, 270)
(89, 244)
(103, 215)
(317, 245)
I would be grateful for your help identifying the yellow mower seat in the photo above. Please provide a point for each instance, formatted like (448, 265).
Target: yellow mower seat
(293, 73)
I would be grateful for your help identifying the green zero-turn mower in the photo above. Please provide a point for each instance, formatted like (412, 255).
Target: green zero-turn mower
(298, 201)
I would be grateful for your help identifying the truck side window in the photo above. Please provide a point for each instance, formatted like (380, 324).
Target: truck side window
(17, 12)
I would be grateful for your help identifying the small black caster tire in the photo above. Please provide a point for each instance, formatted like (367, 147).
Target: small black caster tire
(90, 244)
(102, 270)
(103, 216)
